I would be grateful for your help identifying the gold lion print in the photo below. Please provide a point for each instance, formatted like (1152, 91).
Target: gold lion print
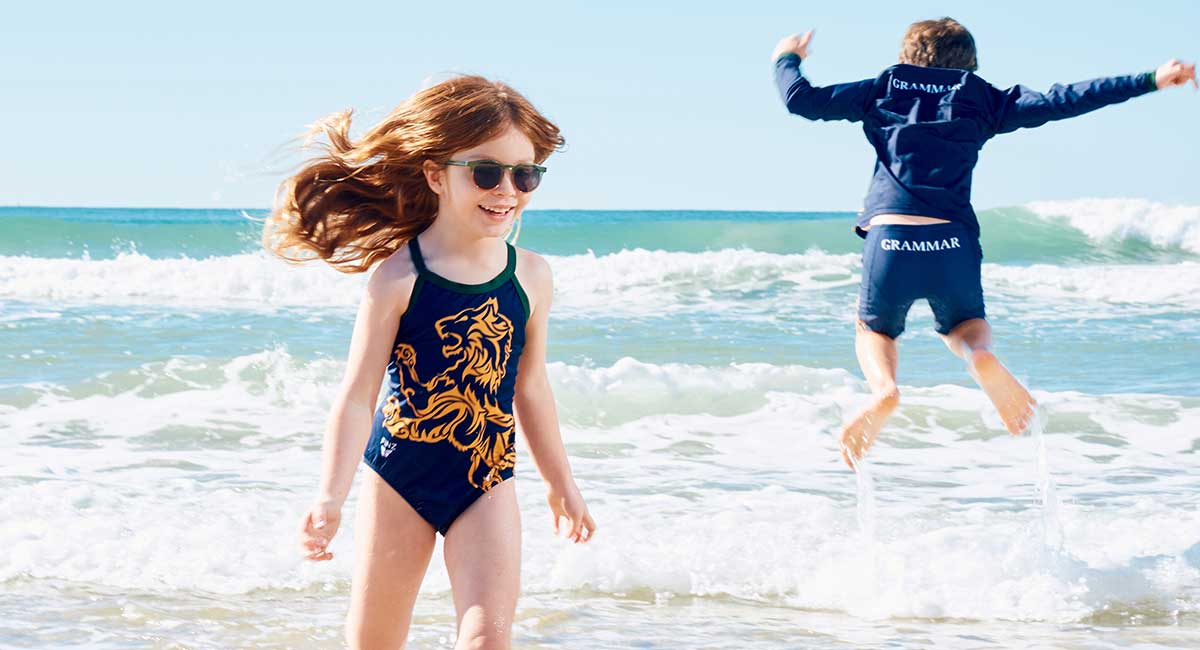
(459, 404)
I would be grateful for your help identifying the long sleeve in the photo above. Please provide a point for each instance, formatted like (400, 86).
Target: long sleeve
(846, 101)
(1022, 108)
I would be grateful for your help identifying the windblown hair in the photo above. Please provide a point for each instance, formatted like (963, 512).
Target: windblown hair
(941, 43)
(363, 199)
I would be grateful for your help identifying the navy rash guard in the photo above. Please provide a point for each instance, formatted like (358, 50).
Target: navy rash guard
(927, 126)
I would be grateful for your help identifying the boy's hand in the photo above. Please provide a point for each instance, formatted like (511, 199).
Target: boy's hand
(1175, 73)
(798, 44)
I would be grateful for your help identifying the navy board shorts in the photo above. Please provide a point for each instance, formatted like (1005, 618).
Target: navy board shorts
(902, 264)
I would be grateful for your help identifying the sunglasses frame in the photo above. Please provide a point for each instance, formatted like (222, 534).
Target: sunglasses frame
(511, 169)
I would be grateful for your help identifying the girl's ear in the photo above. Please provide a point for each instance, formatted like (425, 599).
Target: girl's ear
(435, 176)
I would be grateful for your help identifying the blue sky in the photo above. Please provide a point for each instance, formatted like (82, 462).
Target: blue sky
(670, 106)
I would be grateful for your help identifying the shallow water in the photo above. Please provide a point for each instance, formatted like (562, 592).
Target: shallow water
(164, 386)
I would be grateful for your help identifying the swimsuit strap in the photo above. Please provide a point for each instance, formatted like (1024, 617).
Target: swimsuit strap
(414, 251)
(418, 260)
(511, 267)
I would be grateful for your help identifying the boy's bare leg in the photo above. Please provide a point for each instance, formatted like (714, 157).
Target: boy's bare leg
(971, 341)
(877, 358)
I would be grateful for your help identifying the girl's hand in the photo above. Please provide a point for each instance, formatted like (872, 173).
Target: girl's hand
(569, 503)
(796, 44)
(317, 528)
(1175, 73)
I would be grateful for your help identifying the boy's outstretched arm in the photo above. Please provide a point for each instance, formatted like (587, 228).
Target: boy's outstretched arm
(1022, 108)
(846, 101)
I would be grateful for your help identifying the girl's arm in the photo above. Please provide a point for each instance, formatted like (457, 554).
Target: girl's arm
(536, 412)
(350, 418)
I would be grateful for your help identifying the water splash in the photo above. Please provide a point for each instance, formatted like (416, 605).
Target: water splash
(865, 511)
(1050, 525)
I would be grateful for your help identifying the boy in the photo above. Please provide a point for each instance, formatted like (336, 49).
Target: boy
(927, 119)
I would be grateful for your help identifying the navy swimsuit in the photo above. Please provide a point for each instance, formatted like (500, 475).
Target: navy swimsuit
(445, 434)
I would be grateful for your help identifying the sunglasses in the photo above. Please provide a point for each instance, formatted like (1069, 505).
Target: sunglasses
(487, 174)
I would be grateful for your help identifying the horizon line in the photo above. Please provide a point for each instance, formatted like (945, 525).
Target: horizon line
(244, 209)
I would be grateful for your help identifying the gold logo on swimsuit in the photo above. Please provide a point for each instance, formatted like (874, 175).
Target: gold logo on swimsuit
(459, 403)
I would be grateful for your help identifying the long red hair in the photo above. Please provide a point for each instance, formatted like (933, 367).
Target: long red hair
(362, 200)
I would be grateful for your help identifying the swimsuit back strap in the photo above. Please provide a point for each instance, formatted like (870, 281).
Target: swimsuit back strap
(510, 268)
(418, 260)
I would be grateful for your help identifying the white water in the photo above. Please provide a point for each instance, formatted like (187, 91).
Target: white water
(635, 282)
(160, 425)
(747, 499)
(1107, 220)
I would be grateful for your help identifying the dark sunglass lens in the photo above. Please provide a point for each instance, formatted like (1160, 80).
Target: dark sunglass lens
(527, 177)
(487, 175)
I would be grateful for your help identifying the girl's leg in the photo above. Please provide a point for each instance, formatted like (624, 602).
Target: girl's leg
(393, 547)
(971, 341)
(878, 359)
(483, 558)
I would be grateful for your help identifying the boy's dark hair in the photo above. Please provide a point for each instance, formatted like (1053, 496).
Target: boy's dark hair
(941, 43)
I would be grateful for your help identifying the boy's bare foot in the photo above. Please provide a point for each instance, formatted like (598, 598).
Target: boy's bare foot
(1013, 402)
(859, 434)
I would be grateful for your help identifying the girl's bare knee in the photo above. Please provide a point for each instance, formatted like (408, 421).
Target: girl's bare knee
(483, 639)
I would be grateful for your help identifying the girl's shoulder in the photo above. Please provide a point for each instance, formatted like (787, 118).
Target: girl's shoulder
(397, 266)
(535, 277)
(392, 280)
(532, 266)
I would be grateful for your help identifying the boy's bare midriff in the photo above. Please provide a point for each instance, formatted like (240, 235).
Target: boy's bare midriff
(905, 220)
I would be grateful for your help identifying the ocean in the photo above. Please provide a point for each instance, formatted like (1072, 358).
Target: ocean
(164, 385)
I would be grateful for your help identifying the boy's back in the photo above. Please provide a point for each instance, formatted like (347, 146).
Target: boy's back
(928, 124)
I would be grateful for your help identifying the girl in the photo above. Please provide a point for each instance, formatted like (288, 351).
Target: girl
(457, 318)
